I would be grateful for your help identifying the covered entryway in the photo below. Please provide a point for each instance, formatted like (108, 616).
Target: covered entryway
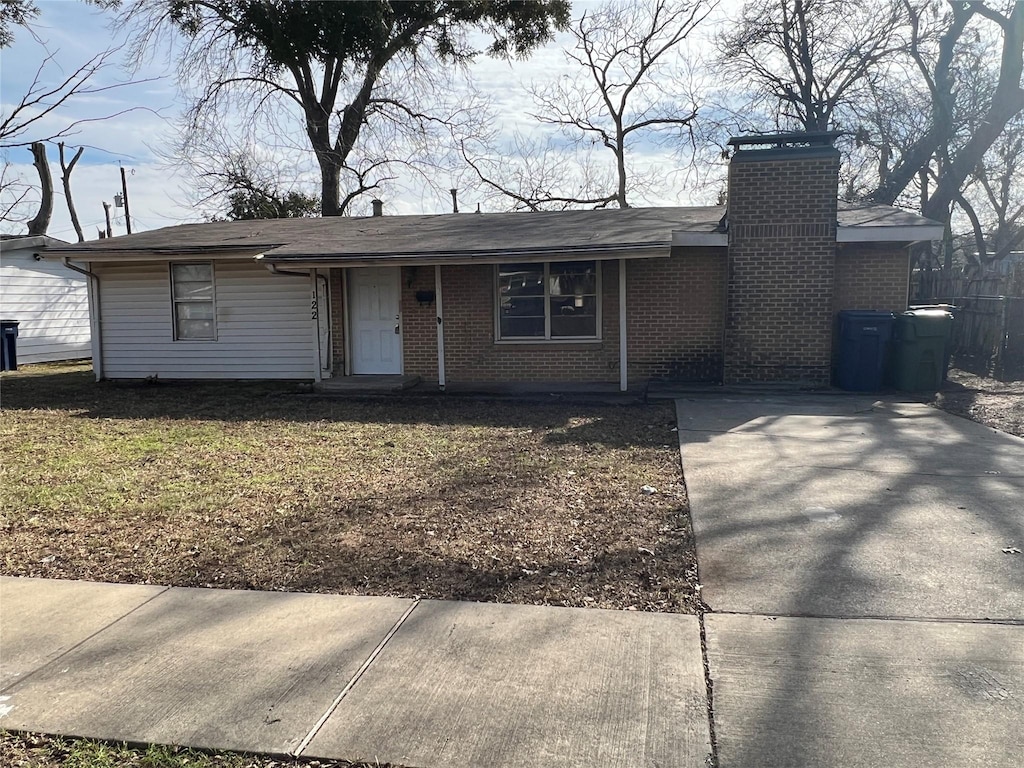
(375, 326)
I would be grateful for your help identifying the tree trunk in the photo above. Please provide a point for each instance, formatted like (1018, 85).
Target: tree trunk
(41, 222)
(330, 186)
(66, 179)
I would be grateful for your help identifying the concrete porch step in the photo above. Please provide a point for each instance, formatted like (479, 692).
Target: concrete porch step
(367, 385)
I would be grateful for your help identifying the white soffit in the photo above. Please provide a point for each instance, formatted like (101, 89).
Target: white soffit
(896, 234)
(700, 238)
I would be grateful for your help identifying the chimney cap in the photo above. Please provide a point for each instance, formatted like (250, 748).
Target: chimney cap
(788, 140)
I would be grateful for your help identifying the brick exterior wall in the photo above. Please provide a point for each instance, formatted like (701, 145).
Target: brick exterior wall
(472, 356)
(871, 277)
(419, 324)
(782, 231)
(676, 316)
(338, 311)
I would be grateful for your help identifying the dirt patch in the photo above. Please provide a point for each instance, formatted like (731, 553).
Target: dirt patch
(996, 404)
(258, 486)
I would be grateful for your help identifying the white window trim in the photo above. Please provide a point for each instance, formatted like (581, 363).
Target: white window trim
(175, 302)
(546, 338)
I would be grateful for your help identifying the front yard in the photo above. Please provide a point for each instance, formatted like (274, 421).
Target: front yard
(259, 486)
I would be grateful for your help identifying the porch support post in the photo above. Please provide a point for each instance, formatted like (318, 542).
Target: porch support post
(623, 375)
(346, 327)
(315, 315)
(440, 326)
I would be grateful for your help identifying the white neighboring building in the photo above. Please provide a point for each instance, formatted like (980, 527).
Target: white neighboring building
(49, 300)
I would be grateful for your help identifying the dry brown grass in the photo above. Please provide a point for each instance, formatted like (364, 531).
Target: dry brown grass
(259, 486)
(32, 750)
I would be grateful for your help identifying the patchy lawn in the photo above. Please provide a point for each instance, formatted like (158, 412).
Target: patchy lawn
(30, 750)
(259, 486)
(998, 404)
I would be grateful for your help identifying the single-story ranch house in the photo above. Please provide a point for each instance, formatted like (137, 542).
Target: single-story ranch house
(743, 293)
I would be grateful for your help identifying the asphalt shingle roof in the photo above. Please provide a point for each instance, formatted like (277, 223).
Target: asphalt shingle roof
(451, 234)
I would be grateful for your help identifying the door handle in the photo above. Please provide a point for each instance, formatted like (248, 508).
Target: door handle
(396, 324)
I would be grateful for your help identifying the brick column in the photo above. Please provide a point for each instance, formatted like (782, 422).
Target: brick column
(782, 249)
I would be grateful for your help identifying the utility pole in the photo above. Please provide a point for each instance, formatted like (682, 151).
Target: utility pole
(127, 213)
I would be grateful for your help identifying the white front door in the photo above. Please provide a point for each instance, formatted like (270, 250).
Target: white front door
(374, 320)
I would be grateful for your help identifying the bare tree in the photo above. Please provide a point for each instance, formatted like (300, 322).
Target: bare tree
(66, 169)
(29, 121)
(991, 112)
(41, 221)
(338, 66)
(45, 96)
(805, 59)
(993, 200)
(630, 87)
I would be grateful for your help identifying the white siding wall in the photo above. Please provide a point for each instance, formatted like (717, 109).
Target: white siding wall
(51, 303)
(264, 326)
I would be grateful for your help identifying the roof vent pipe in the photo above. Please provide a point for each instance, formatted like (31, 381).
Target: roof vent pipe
(455, 200)
(378, 207)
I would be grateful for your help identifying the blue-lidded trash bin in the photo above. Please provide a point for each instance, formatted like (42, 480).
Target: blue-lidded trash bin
(9, 345)
(864, 338)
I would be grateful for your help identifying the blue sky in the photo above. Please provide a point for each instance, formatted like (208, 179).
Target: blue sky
(74, 32)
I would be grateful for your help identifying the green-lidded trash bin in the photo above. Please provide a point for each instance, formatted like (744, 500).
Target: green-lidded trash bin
(955, 312)
(9, 345)
(919, 354)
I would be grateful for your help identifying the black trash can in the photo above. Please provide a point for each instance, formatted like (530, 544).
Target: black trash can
(9, 345)
(864, 338)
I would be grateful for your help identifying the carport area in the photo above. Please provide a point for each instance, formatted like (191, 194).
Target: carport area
(861, 562)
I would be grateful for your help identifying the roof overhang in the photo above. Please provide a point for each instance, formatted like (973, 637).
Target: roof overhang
(29, 241)
(315, 261)
(127, 255)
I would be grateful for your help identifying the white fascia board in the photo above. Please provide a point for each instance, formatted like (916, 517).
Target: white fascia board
(897, 234)
(446, 261)
(714, 239)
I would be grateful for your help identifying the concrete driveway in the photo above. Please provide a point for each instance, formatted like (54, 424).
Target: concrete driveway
(861, 561)
(850, 506)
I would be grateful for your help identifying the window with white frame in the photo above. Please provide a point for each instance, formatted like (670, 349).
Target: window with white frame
(555, 300)
(192, 299)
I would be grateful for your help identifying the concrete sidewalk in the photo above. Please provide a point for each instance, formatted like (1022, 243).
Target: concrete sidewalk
(419, 683)
(860, 557)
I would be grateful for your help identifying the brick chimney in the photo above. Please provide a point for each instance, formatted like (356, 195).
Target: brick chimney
(378, 207)
(781, 220)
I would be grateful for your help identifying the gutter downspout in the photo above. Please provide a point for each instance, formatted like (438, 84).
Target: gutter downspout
(311, 275)
(287, 272)
(93, 294)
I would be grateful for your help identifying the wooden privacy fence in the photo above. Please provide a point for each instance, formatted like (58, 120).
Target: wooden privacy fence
(988, 336)
(934, 287)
